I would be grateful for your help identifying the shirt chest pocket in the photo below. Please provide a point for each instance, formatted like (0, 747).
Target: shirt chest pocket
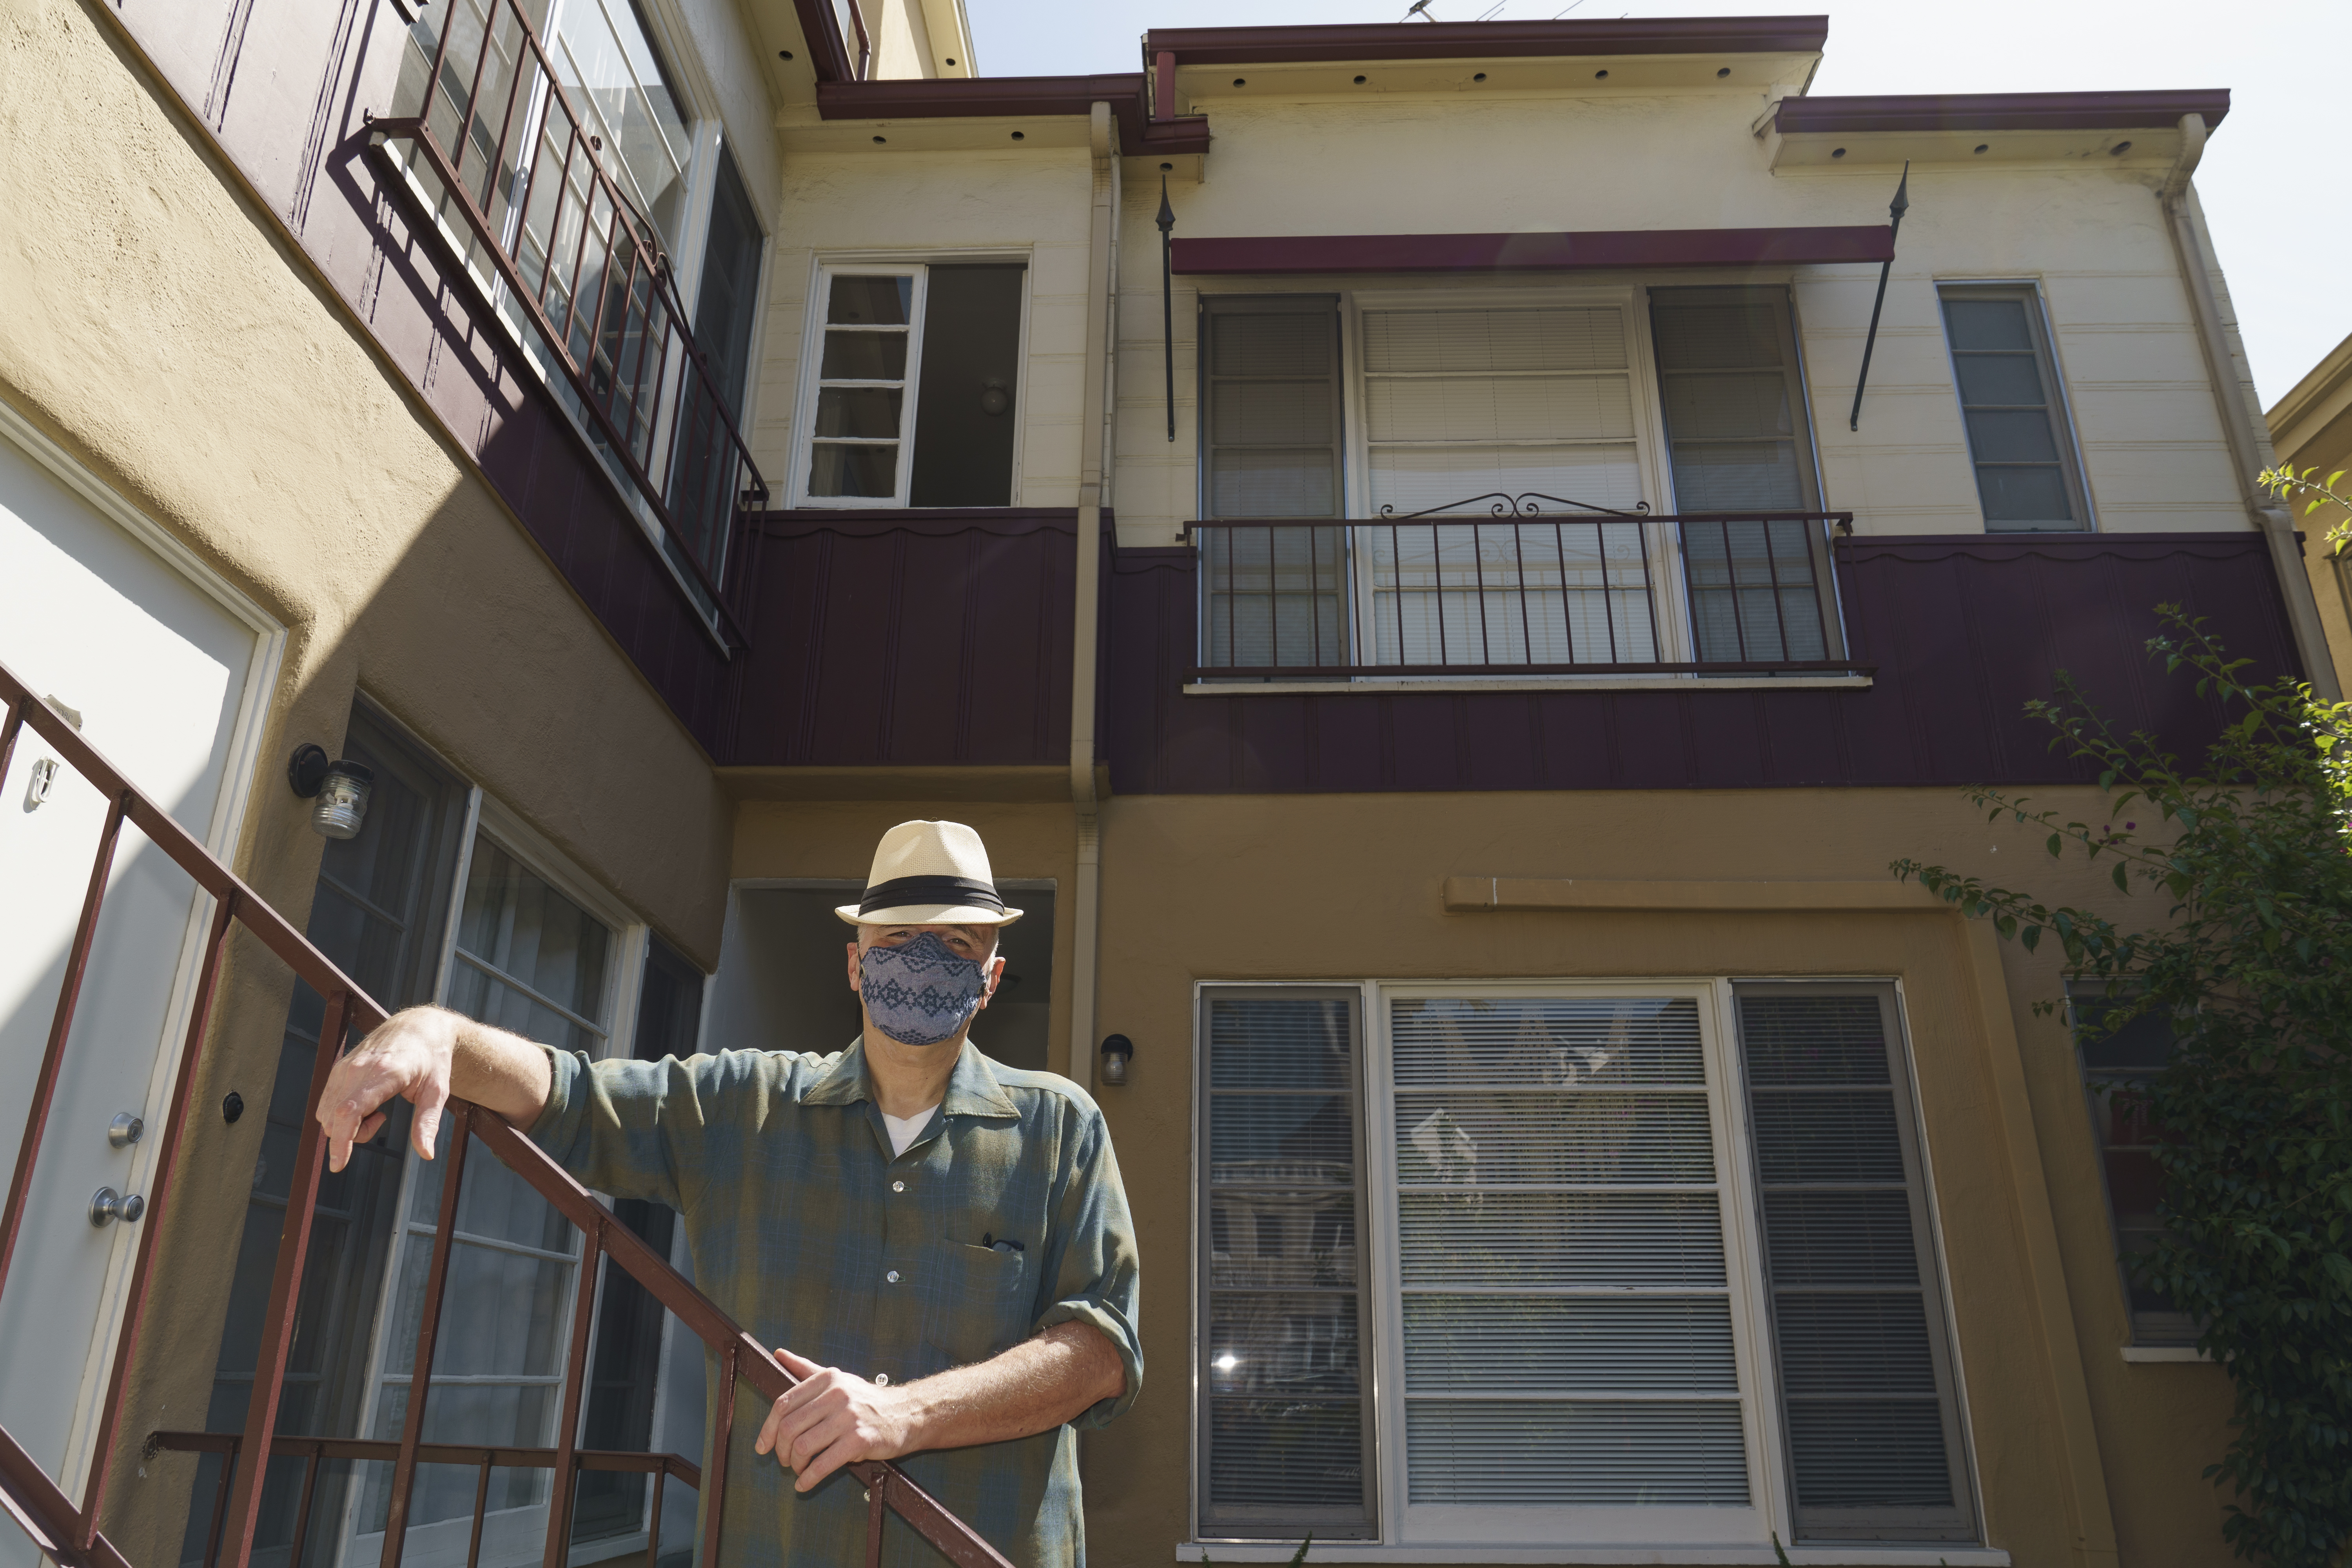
(980, 1301)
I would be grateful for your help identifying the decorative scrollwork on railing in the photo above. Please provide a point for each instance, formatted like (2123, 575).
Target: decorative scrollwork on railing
(1500, 504)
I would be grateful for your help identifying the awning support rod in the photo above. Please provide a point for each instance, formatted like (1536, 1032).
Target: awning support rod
(1895, 211)
(1166, 222)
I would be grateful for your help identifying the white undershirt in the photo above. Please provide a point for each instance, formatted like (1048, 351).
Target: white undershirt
(904, 1129)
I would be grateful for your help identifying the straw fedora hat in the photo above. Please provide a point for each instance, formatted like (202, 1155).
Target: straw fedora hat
(929, 873)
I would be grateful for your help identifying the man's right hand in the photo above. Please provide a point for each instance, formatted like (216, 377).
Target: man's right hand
(411, 1055)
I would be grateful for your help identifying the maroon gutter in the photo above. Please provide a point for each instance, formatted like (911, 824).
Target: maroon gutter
(1518, 252)
(1488, 41)
(1014, 97)
(2001, 112)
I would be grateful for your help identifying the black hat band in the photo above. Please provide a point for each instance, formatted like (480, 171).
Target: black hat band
(901, 891)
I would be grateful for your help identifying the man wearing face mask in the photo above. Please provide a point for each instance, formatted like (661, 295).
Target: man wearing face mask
(948, 1238)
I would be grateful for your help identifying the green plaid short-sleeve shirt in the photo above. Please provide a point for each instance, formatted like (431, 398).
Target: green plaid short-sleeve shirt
(1004, 1217)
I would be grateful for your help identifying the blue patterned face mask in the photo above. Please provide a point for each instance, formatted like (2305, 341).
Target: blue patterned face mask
(921, 992)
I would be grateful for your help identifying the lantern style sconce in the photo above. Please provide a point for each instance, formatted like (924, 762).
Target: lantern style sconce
(1117, 1050)
(340, 790)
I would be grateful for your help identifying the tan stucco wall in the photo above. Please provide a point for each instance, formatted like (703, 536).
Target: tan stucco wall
(2088, 231)
(160, 329)
(2079, 1457)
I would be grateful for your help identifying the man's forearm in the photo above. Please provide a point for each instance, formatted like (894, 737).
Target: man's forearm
(1037, 1385)
(500, 1072)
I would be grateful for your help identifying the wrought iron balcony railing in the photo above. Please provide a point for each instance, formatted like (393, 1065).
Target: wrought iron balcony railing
(69, 1533)
(530, 177)
(1514, 590)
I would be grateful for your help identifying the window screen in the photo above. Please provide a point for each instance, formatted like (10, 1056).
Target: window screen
(1282, 1424)
(2016, 417)
(1566, 1304)
(2116, 1070)
(1866, 1386)
(1735, 404)
(1270, 449)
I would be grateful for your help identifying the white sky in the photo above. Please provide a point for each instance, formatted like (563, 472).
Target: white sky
(2272, 181)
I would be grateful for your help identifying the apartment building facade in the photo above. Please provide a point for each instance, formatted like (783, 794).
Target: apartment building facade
(1387, 534)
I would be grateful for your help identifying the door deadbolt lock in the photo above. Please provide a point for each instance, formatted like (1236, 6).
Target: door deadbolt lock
(107, 1206)
(125, 1130)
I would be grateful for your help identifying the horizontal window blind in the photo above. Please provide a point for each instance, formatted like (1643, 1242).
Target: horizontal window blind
(1565, 1309)
(1461, 402)
(1283, 1428)
(1866, 1386)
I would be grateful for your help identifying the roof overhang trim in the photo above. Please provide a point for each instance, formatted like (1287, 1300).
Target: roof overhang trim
(1593, 249)
(1488, 41)
(1999, 112)
(1018, 97)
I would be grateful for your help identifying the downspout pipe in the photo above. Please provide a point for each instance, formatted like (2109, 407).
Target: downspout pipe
(2237, 419)
(1093, 438)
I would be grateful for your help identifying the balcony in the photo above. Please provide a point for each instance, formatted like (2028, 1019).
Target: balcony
(1520, 593)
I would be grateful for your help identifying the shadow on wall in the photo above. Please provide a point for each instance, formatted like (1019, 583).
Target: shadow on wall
(782, 984)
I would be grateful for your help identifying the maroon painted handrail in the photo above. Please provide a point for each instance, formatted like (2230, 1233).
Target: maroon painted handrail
(71, 1534)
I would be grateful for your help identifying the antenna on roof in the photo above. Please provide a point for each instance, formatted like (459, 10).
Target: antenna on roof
(1895, 211)
(1418, 8)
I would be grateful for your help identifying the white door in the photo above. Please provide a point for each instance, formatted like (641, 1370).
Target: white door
(167, 677)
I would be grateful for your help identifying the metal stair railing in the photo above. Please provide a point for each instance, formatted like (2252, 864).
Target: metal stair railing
(69, 1533)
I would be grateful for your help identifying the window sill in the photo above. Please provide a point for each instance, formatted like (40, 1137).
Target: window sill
(1377, 688)
(2143, 1355)
(1918, 1555)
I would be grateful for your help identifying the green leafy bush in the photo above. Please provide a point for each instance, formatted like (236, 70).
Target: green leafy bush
(2251, 962)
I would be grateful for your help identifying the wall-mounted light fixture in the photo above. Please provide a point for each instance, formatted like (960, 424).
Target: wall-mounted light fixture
(340, 789)
(1117, 1050)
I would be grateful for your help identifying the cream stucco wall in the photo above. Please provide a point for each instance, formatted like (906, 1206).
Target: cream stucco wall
(162, 328)
(2086, 228)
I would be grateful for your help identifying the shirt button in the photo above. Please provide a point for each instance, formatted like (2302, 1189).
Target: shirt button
(892, 1276)
(881, 1380)
(897, 1187)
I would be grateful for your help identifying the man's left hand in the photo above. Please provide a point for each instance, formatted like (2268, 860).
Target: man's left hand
(831, 1418)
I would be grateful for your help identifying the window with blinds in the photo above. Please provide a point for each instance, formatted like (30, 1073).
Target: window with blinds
(2118, 1065)
(2018, 435)
(1869, 1410)
(1565, 1295)
(1270, 400)
(1284, 1409)
(1518, 399)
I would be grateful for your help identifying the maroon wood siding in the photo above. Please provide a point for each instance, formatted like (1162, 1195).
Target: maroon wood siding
(1964, 630)
(283, 86)
(912, 638)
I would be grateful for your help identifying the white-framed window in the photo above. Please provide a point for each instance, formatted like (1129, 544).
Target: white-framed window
(1493, 462)
(910, 389)
(1503, 1264)
(2014, 403)
(446, 896)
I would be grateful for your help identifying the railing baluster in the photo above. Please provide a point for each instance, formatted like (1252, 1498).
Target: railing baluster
(482, 1513)
(159, 1196)
(45, 1086)
(1520, 566)
(474, 88)
(1478, 577)
(428, 1330)
(220, 1506)
(1567, 621)
(285, 1292)
(575, 1379)
(714, 1463)
(1772, 566)
(302, 1513)
(1649, 590)
(1437, 566)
